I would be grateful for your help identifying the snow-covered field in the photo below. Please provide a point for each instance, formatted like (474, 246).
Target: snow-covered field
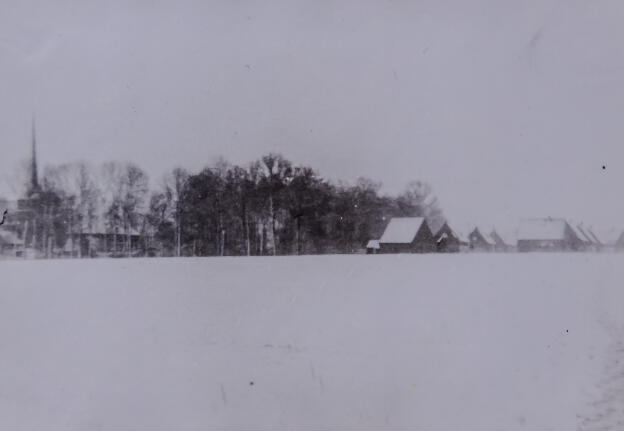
(462, 342)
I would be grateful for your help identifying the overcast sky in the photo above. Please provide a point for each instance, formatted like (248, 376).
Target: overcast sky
(509, 109)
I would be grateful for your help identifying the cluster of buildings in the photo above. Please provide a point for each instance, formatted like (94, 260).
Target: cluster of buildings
(28, 231)
(414, 235)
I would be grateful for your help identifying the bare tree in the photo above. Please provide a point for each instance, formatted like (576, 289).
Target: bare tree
(125, 192)
(174, 185)
(276, 174)
(418, 200)
(78, 189)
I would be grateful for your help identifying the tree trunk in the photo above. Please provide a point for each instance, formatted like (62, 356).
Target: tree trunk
(220, 235)
(34, 235)
(262, 240)
(71, 234)
(79, 245)
(298, 235)
(44, 234)
(25, 245)
(178, 230)
(178, 238)
(247, 240)
(178, 249)
(272, 215)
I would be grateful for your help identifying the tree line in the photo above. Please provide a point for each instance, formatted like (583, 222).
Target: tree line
(270, 207)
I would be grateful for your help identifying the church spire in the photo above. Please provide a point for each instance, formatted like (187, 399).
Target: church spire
(34, 178)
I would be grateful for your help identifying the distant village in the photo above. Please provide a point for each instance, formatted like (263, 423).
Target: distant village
(270, 207)
(413, 235)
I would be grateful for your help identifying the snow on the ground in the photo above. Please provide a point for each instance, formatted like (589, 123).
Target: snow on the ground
(408, 342)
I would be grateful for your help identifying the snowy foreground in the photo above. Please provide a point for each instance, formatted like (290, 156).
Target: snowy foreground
(436, 342)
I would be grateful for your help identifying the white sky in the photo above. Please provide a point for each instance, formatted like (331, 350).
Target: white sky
(509, 109)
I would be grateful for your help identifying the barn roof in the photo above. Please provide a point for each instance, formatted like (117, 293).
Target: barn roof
(578, 230)
(542, 229)
(508, 238)
(461, 236)
(584, 236)
(485, 234)
(436, 224)
(594, 237)
(402, 230)
(444, 228)
(373, 243)
(607, 236)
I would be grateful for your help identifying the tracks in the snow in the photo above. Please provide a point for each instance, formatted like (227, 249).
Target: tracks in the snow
(606, 411)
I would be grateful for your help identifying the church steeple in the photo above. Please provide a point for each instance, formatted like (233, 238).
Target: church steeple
(34, 177)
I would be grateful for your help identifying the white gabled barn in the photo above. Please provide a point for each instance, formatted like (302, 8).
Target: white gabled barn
(547, 234)
(407, 235)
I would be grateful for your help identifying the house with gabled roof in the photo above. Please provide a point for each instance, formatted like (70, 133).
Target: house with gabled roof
(446, 240)
(503, 242)
(480, 240)
(547, 234)
(407, 235)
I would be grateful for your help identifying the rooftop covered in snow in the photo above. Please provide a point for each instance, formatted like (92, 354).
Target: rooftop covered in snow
(485, 234)
(580, 233)
(402, 230)
(508, 238)
(542, 229)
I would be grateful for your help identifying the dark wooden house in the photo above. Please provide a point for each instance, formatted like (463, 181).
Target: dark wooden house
(446, 240)
(480, 240)
(407, 235)
(547, 234)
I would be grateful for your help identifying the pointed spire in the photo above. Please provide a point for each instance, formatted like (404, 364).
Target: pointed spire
(34, 177)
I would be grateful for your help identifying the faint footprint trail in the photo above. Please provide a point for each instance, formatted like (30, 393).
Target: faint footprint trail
(606, 411)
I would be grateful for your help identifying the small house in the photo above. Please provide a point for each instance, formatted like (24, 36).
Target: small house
(407, 235)
(547, 234)
(446, 240)
(480, 240)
